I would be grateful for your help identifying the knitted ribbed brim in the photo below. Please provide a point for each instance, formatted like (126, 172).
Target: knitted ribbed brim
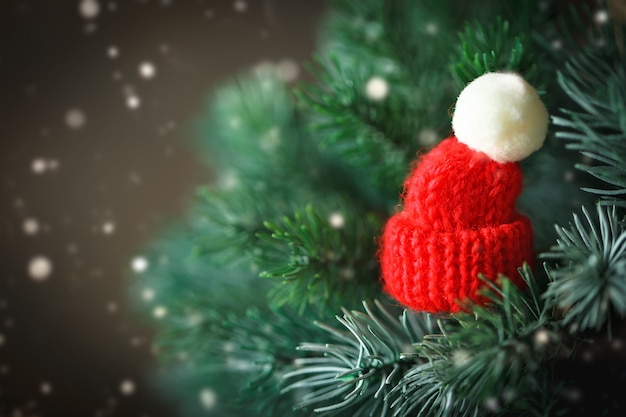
(458, 220)
(431, 271)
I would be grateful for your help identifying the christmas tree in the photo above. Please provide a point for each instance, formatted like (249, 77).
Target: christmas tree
(267, 298)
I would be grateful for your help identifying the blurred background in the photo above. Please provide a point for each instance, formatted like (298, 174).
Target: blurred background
(97, 104)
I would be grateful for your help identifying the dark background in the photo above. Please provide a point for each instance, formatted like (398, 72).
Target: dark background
(87, 180)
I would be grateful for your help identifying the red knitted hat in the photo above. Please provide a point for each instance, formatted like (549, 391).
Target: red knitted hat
(459, 218)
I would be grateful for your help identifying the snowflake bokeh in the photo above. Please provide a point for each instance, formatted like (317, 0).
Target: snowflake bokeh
(96, 100)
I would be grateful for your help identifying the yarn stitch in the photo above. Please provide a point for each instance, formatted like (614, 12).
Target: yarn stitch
(458, 221)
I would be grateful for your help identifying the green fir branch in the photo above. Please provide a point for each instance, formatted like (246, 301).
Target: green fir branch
(489, 359)
(227, 337)
(376, 137)
(493, 48)
(187, 298)
(353, 374)
(394, 32)
(577, 28)
(372, 137)
(250, 130)
(321, 256)
(242, 357)
(259, 348)
(595, 122)
(588, 283)
(227, 222)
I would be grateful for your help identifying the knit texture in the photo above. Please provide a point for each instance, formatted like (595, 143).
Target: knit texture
(458, 221)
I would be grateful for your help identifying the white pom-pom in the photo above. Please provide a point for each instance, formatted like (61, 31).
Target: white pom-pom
(501, 115)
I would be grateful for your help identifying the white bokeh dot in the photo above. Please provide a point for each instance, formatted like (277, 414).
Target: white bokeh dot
(46, 388)
(147, 70)
(195, 319)
(240, 6)
(347, 273)
(431, 28)
(136, 341)
(39, 268)
(159, 312)
(208, 398)
(229, 180)
(133, 102)
(542, 337)
(30, 226)
(492, 404)
(336, 220)
(112, 307)
(113, 52)
(127, 387)
(89, 9)
(139, 264)
(601, 17)
(38, 165)
(148, 294)
(108, 227)
(461, 357)
(75, 118)
(427, 137)
(234, 122)
(269, 141)
(377, 88)
(288, 70)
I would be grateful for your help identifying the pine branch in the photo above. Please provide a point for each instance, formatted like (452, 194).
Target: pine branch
(551, 190)
(250, 130)
(595, 82)
(228, 221)
(377, 136)
(259, 347)
(353, 373)
(173, 287)
(589, 283)
(188, 298)
(253, 164)
(493, 48)
(323, 256)
(487, 360)
(242, 358)
(395, 32)
(274, 208)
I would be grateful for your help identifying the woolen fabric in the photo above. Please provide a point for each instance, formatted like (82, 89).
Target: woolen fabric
(458, 220)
